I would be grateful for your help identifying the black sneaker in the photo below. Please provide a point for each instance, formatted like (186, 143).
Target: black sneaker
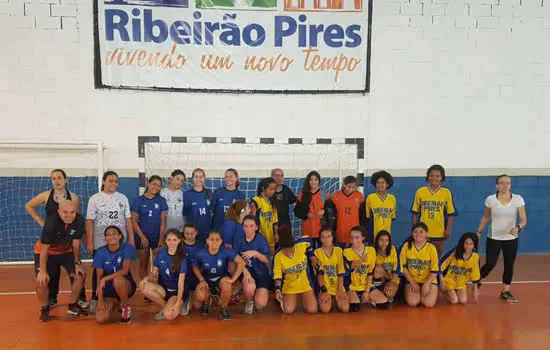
(76, 310)
(225, 315)
(508, 297)
(45, 313)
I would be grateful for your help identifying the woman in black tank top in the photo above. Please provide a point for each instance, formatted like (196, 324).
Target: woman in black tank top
(50, 199)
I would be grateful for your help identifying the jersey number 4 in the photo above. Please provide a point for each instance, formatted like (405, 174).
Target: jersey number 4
(113, 215)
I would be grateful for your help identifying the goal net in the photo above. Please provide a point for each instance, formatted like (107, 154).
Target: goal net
(254, 162)
(24, 173)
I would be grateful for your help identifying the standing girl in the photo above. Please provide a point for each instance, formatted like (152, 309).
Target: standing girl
(106, 208)
(115, 283)
(50, 199)
(359, 260)
(225, 196)
(458, 267)
(149, 221)
(232, 229)
(254, 249)
(388, 268)
(331, 274)
(420, 266)
(433, 204)
(174, 199)
(342, 209)
(196, 207)
(310, 207)
(165, 285)
(292, 274)
(380, 206)
(264, 207)
(502, 209)
(211, 268)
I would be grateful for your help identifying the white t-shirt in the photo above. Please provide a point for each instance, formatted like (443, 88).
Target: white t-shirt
(108, 210)
(503, 217)
(174, 199)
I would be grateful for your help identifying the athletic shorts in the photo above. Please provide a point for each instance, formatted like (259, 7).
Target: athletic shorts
(262, 281)
(110, 292)
(174, 293)
(191, 281)
(451, 284)
(55, 262)
(153, 242)
(214, 287)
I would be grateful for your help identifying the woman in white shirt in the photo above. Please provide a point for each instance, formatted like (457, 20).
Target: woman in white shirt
(174, 198)
(502, 209)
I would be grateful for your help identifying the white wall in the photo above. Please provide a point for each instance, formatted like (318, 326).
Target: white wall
(461, 82)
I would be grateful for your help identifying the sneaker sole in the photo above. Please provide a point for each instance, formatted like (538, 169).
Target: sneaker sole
(76, 313)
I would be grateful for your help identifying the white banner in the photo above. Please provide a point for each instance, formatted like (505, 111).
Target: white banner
(251, 45)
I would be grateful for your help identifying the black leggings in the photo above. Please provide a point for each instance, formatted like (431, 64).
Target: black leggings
(509, 251)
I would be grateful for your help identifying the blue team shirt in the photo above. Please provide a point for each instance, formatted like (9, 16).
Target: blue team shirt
(214, 267)
(150, 212)
(221, 201)
(167, 277)
(255, 266)
(192, 250)
(111, 262)
(232, 232)
(196, 209)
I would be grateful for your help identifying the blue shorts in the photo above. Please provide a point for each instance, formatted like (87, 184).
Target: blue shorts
(153, 242)
(174, 293)
(110, 292)
(191, 281)
(262, 281)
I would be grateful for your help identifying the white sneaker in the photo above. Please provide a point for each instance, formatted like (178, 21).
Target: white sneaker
(83, 304)
(249, 308)
(185, 308)
(93, 306)
(159, 316)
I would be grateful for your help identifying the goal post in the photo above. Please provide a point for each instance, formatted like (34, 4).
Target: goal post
(254, 160)
(25, 172)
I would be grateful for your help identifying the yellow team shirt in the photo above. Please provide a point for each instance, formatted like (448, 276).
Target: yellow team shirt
(457, 272)
(432, 207)
(420, 262)
(293, 271)
(381, 210)
(331, 267)
(268, 218)
(358, 278)
(390, 264)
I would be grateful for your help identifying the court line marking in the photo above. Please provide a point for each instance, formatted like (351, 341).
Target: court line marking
(68, 291)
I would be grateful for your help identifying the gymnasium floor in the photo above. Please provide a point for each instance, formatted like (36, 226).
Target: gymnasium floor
(492, 324)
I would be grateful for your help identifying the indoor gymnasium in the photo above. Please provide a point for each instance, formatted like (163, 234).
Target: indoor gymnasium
(274, 174)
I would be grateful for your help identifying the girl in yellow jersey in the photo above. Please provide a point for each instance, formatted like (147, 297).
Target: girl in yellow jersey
(388, 268)
(292, 274)
(380, 207)
(330, 275)
(433, 205)
(359, 260)
(420, 267)
(458, 267)
(264, 207)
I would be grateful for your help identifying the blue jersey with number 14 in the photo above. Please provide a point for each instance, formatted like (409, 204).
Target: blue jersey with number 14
(196, 209)
(221, 201)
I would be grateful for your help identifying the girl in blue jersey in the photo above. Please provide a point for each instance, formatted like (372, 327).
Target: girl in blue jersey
(165, 284)
(115, 283)
(254, 249)
(192, 247)
(149, 221)
(225, 196)
(197, 204)
(211, 268)
(232, 229)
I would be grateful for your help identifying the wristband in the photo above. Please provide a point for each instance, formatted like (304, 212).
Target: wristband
(519, 227)
(78, 262)
(278, 288)
(324, 289)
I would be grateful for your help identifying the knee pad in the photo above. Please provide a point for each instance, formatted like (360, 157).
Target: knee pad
(383, 306)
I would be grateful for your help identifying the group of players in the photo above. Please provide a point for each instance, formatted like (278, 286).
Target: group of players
(219, 246)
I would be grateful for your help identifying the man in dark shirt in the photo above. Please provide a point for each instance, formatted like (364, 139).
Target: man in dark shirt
(284, 197)
(60, 240)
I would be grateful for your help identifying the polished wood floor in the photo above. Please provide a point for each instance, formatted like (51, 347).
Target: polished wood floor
(491, 324)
